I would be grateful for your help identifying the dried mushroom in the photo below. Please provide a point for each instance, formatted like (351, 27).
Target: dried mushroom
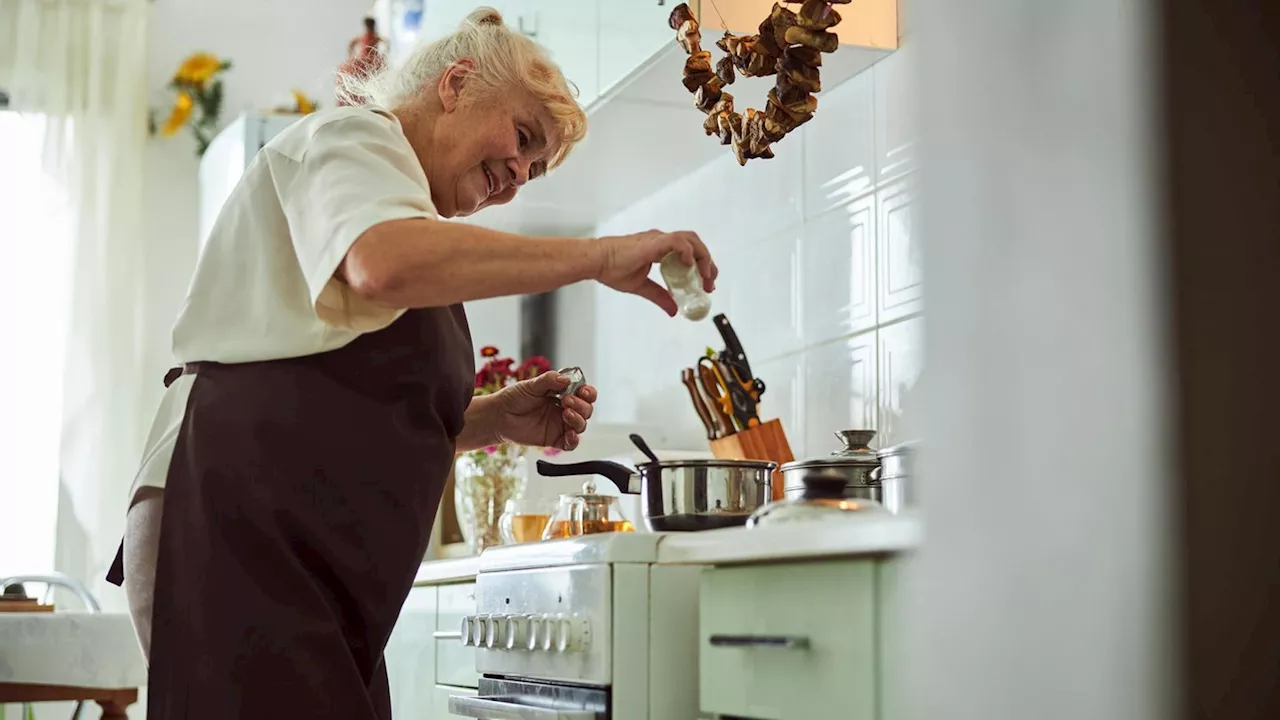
(789, 45)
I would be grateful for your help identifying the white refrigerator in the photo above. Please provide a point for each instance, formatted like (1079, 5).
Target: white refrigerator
(227, 157)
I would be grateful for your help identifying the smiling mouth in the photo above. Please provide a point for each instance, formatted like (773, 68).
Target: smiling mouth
(490, 179)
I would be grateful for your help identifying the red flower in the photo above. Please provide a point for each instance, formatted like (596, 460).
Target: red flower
(533, 367)
(488, 351)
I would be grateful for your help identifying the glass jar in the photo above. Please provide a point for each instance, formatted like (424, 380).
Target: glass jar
(484, 481)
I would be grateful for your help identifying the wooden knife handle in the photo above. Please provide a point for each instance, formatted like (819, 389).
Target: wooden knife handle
(699, 405)
(715, 395)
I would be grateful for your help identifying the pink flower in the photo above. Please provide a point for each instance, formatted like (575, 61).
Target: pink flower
(492, 449)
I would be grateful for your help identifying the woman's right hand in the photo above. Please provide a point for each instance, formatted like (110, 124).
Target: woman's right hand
(628, 260)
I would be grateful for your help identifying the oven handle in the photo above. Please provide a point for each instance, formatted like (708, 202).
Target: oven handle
(501, 708)
(789, 642)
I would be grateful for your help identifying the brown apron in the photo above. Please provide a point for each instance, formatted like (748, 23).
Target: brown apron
(297, 508)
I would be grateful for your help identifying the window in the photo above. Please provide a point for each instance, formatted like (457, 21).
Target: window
(35, 242)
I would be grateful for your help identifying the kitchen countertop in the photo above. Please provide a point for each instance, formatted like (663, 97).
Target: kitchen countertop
(878, 534)
(866, 535)
(439, 572)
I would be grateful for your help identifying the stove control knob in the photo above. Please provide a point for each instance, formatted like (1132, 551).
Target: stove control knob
(497, 632)
(480, 637)
(570, 633)
(538, 626)
(517, 632)
(467, 628)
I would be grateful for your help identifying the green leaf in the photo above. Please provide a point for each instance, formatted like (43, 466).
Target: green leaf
(226, 65)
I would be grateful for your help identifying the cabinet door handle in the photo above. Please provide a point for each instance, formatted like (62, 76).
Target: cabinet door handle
(788, 642)
(446, 635)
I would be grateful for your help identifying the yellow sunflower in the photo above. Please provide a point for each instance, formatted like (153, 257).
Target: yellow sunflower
(181, 113)
(198, 69)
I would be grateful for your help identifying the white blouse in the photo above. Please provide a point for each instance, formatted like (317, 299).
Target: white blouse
(264, 286)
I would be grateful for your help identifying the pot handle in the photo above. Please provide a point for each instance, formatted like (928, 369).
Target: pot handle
(874, 475)
(618, 474)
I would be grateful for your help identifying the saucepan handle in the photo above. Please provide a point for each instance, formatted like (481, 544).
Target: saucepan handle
(618, 474)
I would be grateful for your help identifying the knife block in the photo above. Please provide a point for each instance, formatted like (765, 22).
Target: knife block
(766, 441)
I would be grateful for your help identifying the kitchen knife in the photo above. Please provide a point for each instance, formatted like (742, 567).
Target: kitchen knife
(690, 381)
(717, 400)
(744, 389)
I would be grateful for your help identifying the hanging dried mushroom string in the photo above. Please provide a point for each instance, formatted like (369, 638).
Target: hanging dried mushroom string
(789, 45)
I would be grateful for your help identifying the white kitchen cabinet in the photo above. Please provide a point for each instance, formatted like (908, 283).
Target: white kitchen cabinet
(631, 32)
(411, 655)
(789, 641)
(442, 17)
(568, 30)
(455, 662)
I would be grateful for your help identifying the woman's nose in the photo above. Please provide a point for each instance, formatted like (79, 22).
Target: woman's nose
(519, 171)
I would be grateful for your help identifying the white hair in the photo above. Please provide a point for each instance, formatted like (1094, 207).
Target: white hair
(503, 59)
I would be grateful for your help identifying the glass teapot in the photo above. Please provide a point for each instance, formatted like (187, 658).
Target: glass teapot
(586, 513)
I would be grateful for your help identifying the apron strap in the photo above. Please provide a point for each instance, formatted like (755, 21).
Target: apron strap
(190, 368)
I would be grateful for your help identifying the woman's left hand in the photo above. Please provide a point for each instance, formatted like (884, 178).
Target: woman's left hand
(528, 414)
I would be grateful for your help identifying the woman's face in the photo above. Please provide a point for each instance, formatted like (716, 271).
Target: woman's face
(486, 148)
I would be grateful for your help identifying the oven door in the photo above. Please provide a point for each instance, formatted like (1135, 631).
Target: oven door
(501, 699)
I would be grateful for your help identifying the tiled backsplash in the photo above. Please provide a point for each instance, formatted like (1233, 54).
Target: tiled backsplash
(820, 276)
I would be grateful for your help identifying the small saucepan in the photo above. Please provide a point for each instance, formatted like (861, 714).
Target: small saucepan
(684, 495)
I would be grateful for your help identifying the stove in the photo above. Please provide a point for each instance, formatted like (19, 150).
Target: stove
(586, 628)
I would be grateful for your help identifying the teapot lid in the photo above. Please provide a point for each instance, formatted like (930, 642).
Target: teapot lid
(589, 495)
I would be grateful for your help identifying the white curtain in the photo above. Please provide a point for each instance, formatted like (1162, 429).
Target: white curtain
(82, 65)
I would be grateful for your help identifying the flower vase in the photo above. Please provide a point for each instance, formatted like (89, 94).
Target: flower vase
(484, 480)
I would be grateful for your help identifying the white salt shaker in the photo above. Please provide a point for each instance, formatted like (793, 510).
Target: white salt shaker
(685, 285)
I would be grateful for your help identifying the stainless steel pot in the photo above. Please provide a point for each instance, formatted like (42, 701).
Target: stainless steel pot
(855, 463)
(684, 495)
(896, 476)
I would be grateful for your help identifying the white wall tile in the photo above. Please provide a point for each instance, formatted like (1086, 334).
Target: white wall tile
(838, 272)
(840, 391)
(895, 113)
(898, 253)
(839, 146)
(764, 292)
(784, 396)
(901, 365)
(816, 253)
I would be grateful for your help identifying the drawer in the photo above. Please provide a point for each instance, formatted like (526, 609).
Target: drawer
(455, 663)
(786, 642)
(410, 655)
(440, 702)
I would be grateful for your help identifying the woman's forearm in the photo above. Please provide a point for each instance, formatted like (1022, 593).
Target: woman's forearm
(434, 263)
(479, 425)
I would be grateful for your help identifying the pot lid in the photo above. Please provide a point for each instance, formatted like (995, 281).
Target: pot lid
(705, 462)
(855, 453)
(823, 499)
(903, 448)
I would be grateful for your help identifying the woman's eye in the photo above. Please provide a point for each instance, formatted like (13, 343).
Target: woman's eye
(522, 137)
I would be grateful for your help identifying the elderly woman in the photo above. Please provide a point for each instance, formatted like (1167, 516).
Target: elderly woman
(299, 454)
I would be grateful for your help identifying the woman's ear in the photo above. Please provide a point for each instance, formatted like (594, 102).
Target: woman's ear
(451, 82)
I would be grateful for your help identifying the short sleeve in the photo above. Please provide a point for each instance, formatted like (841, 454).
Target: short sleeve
(355, 171)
